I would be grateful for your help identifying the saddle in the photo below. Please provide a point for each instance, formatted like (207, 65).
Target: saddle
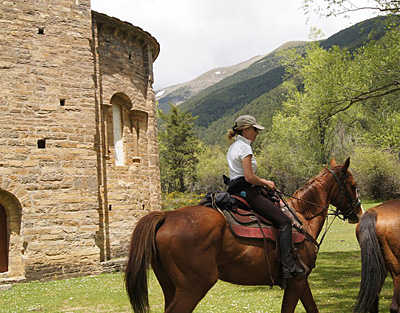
(244, 222)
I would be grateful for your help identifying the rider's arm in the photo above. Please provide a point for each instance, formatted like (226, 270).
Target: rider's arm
(252, 178)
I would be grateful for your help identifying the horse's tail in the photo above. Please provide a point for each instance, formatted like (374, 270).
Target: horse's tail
(141, 251)
(373, 269)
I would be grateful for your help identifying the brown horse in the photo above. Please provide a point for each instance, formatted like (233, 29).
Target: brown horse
(378, 234)
(191, 248)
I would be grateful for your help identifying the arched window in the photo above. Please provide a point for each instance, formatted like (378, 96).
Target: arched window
(125, 128)
(139, 121)
(118, 138)
(3, 240)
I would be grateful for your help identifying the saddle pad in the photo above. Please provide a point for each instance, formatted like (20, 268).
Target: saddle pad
(251, 229)
(253, 232)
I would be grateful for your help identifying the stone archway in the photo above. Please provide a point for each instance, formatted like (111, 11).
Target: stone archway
(4, 242)
(11, 203)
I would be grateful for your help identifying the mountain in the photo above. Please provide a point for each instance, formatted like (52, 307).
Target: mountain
(256, 88)
(177, 94)
(356, 36)
(181, 92)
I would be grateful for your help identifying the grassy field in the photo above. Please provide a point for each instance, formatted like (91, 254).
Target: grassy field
(334, 283)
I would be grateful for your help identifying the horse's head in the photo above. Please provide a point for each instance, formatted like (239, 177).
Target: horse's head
(344, 193)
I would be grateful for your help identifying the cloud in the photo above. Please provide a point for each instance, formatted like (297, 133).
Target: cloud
(198, 35)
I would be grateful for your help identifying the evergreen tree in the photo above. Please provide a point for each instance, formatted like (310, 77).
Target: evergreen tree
(178, 147)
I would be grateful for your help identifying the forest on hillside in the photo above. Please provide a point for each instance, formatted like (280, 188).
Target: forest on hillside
(337, 98)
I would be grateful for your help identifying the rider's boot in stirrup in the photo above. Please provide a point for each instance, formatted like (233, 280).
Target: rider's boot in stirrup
(289, 267)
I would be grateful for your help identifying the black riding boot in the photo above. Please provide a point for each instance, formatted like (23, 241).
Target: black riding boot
(289, 268)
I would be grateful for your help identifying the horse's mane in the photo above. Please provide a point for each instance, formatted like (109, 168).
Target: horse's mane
(310, 192)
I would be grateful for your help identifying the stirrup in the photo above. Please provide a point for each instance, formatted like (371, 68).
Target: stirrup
(297, 272)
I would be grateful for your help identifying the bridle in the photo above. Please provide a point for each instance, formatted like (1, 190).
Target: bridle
(343, 192)
(338, 212)
(351, 204)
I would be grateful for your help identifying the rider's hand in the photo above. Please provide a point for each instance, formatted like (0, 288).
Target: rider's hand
(270, 185)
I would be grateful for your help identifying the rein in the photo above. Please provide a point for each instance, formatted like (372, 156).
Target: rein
(311, 238)
(335, 213)
(312, 203)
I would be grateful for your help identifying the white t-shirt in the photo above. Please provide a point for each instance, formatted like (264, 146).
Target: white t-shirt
(237, 152)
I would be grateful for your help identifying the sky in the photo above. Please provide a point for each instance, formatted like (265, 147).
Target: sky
(196, 36)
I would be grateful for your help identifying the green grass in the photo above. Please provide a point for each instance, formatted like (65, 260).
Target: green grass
(334, 283)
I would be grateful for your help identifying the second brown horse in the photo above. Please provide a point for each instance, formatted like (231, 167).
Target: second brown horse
(191, 248)
(379, 236)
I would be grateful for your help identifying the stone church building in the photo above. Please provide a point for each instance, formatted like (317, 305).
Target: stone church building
(78, 130)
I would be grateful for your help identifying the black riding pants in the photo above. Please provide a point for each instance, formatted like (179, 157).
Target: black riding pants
(266, 207)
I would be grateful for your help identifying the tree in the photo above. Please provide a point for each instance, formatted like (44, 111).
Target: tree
(375, 70)
(381, 123)
(314, 109)
(178, 146)
(210, 169)
(346, 103)
(335, 81)
(340, 7)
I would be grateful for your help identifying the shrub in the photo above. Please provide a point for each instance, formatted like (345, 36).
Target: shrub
(176, 200)
(377, 173)
(212, 165)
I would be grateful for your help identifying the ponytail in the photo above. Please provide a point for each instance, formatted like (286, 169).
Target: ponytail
(234, 132)
(231, 135)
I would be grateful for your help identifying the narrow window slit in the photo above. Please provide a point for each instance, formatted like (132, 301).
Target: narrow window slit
(62, 102)
(41, 143)
(41, 31)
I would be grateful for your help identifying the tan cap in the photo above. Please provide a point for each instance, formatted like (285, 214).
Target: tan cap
(247, 121)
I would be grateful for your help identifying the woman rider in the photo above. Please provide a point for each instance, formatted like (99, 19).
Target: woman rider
(243, 180)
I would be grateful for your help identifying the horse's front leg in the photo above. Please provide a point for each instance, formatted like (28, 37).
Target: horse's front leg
(298, 288)
(291, 296)
(307, 298)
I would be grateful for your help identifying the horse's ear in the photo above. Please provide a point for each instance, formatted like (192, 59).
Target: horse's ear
(346, 165)
(333, 162)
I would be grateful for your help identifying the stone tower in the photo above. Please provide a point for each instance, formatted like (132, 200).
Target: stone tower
(78, 153)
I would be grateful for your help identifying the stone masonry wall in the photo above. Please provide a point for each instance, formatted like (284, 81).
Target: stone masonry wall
(47, 133)
(68, 205)
(125, 76)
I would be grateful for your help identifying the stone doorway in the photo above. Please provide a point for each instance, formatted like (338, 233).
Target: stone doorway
(3, 240)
